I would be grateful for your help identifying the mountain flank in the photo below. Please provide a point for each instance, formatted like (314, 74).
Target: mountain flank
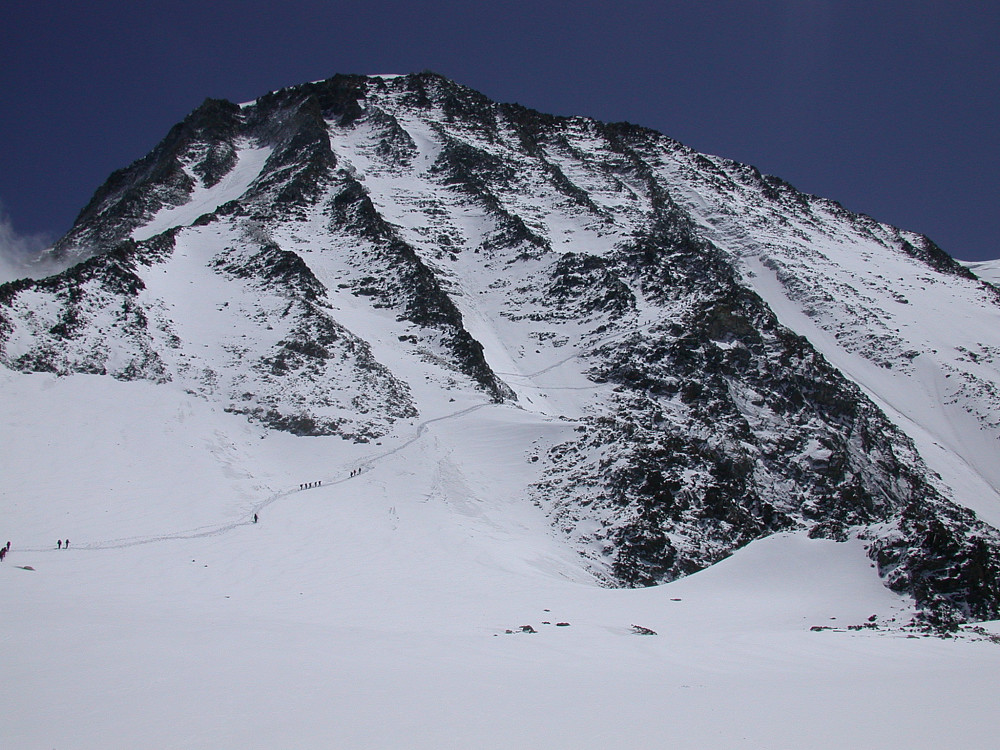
(739, 359)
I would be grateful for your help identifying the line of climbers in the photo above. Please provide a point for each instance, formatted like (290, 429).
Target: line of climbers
(309, 485)
(60, 544)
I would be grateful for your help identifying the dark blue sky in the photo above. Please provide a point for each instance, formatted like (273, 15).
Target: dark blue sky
(890, 107)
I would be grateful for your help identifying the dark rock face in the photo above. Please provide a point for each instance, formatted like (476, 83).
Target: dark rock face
(587, 284)
(66, 340)
(713, 425)
(715, 413)
(275, 266)
(301, 163)
(132, 195)
(946, 558)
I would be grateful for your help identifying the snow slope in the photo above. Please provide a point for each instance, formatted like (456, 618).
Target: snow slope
(372, 611)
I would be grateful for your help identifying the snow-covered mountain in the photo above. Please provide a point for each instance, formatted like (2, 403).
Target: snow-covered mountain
(699, 355)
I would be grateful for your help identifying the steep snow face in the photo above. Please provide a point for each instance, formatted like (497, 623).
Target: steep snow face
(886, 307)
(731, 359)
(206, 198)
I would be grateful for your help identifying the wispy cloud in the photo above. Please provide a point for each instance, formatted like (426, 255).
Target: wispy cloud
(21, 254)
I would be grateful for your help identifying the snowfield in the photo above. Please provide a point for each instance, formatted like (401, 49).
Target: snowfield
(373, 611)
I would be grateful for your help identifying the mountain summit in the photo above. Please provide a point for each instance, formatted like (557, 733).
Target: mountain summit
(730, 358)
